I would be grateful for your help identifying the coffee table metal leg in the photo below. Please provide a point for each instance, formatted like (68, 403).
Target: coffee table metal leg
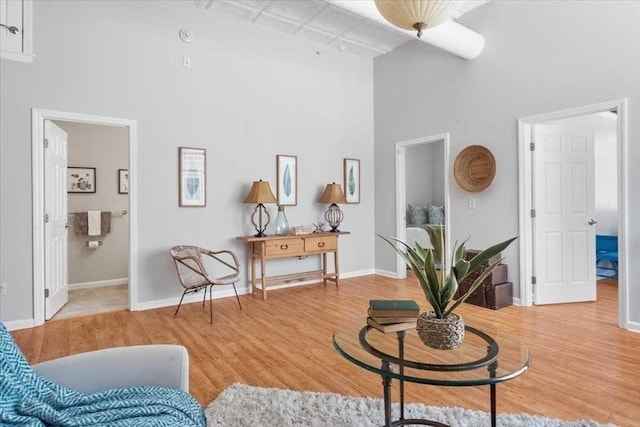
(386, 386)
(492, 390)
(493, 405)
(401, 335)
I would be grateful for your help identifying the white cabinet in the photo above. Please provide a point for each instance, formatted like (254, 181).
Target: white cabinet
(16, 30)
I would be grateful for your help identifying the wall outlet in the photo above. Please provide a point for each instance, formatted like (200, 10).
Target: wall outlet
(186, 62)
(472, 203)
(3, 289)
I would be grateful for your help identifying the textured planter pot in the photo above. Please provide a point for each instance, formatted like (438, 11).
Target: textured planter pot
(441, 334)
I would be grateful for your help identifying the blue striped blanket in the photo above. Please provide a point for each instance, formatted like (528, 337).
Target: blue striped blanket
(27, 399)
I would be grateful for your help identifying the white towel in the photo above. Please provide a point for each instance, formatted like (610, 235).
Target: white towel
(94, 223)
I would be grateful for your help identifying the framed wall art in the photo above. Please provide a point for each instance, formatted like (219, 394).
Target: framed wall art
(193, 174)
(352, 180)
(123, 181)
(81, 180)
(287, 167)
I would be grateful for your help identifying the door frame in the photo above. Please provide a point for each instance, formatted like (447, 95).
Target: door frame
(38, 116)
(401, 192)
(525, 127)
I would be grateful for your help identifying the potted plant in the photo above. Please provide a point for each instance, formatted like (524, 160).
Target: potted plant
(441, 328)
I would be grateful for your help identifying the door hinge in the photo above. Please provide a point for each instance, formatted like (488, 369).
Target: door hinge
(532, 146)
(46, 293)
(533, 213)
(46, 143)
(46, 218)
(533, 280)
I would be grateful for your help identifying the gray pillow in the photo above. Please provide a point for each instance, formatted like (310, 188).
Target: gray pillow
(417, 215)
(436, 214)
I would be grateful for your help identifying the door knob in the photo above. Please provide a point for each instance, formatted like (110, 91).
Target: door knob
(12, 29)
(592, 221)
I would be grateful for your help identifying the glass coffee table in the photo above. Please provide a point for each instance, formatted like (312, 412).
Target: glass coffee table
(486, 357)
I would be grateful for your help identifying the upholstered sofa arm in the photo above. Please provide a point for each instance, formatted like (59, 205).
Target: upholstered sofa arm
(156, 365)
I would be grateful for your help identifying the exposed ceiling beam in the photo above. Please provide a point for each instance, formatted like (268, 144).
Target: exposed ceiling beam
(450, 36)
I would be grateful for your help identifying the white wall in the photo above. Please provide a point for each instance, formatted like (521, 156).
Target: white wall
(419, 161)
(425, 174)
(106, 149)
(437, 174)
(606, 180)
(251, 93)
(539, 57)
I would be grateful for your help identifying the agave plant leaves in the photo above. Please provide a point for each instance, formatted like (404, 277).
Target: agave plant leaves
(487, 254)
(416, 259)
(439, 283)
(476, 283)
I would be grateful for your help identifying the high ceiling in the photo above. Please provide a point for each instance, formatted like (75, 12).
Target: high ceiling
(320, 21)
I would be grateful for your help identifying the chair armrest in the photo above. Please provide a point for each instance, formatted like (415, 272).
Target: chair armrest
(216, 255)
(161, 365)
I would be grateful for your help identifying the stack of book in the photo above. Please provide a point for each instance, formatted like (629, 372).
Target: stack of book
(393, 315)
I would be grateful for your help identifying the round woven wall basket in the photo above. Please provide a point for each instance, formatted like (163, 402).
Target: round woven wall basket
(474, 169)
(441, 334)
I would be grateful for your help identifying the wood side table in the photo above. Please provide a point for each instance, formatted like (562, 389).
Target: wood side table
(291, 246)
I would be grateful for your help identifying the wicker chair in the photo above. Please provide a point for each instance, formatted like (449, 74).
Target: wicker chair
(193, 275)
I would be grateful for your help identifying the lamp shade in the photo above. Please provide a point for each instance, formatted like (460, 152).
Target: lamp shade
(260, 193)
(418, 14)
(332, 194)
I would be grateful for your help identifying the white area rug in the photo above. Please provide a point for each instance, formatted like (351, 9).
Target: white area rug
(243, 405)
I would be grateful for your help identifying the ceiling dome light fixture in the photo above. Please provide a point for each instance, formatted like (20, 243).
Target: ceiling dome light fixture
(418, 14)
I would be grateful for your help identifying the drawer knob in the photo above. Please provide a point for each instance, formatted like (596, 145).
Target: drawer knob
(321, 244)
(284, 247)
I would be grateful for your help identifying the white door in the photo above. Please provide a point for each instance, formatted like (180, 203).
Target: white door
(11, 16)
(55, 208)
(564, 203)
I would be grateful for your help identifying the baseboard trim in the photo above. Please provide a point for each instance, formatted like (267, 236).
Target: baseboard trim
(633, 326)
(188, 299)
(14, 325)
(99, 284)
(358, 273)
(224, 293)
(385, 273)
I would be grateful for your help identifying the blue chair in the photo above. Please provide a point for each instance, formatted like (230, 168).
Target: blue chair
(607, 253)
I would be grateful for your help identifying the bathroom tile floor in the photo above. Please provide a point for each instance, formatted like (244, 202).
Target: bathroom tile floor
(95, 300)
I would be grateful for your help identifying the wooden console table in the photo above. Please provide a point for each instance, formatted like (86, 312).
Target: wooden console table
(291, 246)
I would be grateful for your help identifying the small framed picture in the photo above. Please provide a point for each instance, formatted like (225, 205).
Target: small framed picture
(352, 180)
(123, 181)
(287, 180)
(81, 180)
(193, 174)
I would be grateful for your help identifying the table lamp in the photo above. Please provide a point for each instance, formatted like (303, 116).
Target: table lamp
(260, 193)
(333, 194)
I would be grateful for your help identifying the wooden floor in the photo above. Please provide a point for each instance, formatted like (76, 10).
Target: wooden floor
(583, 365)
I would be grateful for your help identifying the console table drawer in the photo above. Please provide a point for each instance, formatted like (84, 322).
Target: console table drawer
(320, 244)
(284, 247)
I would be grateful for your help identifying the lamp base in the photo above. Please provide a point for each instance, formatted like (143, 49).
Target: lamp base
(334, 216)
(259, 212)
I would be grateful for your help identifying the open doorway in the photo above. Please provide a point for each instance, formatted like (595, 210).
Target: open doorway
(422, 171)
(108, 190)
(573, 187)
(98, 254)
